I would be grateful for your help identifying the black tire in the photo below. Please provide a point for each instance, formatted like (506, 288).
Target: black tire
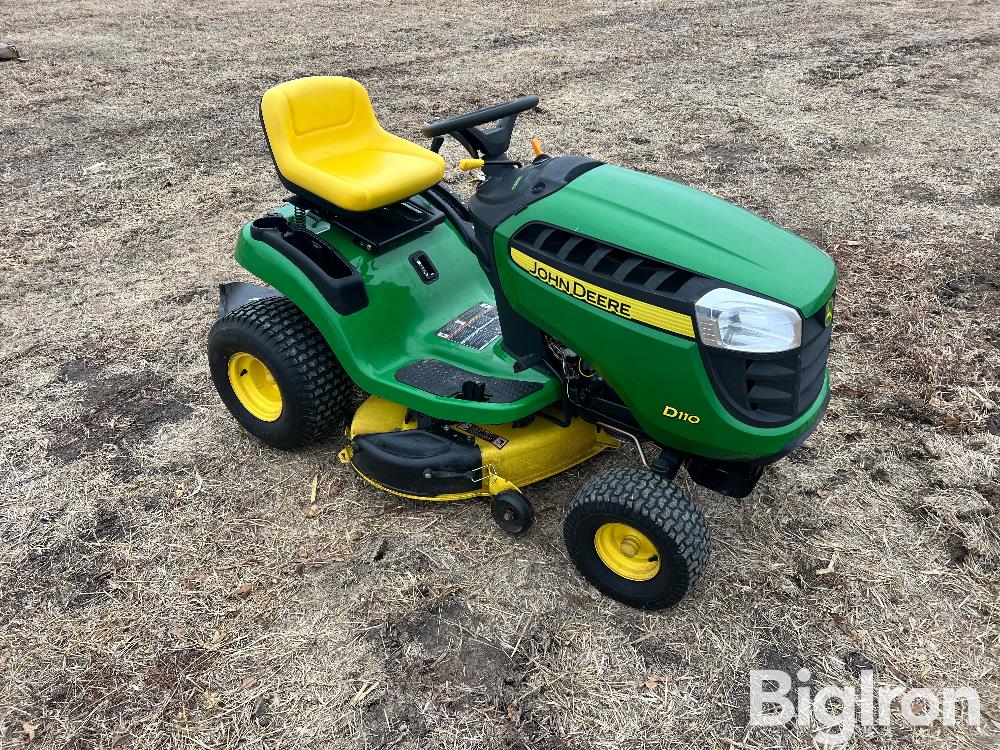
(315, 391)
(658, 509)
(512, 512)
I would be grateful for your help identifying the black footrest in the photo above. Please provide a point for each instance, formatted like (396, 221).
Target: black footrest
(443, 379)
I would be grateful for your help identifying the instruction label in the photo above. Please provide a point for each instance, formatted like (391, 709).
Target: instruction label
(483, 434)
(477, 328)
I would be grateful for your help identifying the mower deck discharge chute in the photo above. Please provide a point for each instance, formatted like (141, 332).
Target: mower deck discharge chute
(569, 306)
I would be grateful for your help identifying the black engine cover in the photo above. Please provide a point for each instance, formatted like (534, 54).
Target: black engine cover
(503, 195)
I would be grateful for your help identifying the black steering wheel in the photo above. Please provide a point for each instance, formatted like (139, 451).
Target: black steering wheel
(491, 143)
(480, 116)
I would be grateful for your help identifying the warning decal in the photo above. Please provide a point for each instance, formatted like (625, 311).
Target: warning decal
(483, 434)
(477, 328)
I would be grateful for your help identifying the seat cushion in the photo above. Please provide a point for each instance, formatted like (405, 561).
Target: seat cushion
(326, 141)
(371, 178)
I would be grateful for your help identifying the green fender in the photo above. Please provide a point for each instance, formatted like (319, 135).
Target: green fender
(400, 323)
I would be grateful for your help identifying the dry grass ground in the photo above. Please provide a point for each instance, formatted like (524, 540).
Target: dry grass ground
(163, 580)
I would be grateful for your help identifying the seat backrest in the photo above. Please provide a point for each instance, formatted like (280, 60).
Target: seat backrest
(317, 117)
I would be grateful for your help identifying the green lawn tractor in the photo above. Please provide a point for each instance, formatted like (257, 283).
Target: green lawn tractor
(568, 307)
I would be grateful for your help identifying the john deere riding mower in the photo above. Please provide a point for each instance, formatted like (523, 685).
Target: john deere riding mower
(568, 307)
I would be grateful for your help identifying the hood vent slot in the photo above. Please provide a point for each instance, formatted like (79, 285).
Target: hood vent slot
(599, 261)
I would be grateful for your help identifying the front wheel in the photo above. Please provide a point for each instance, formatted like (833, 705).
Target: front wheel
(637, 538)
(512, 512)
(276, 373)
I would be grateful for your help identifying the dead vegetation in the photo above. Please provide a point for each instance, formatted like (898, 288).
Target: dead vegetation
(164, 581)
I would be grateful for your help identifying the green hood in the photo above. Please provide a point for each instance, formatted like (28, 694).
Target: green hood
(690, 229)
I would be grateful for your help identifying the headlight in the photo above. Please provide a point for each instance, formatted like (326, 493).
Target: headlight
(728, 319)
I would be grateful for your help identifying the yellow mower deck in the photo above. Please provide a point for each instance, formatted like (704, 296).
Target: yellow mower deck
(513, 457)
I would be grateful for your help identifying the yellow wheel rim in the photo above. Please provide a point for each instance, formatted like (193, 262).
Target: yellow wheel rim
(627, 551)
(254, 386)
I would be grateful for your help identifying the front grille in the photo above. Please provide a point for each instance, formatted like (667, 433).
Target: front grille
(770, 390)
(765, 390)
(614, 267)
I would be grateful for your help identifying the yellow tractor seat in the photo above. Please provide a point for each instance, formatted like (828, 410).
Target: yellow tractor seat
(328, 145)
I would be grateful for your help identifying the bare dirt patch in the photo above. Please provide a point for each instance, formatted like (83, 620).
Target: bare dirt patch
(117, 409)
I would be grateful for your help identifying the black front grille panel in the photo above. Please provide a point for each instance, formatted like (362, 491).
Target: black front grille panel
(613, 267)
(770, 390)
(815, 351)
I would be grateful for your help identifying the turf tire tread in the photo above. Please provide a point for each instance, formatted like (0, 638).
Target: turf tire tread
(628, 491)
(318, 377)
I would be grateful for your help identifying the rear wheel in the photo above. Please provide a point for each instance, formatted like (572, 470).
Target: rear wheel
(276, 373)
(637, 538)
